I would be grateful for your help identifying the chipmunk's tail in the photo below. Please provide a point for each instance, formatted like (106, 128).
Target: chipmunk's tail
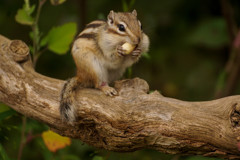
(67, 107)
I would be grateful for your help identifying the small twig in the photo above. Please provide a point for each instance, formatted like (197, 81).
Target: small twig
(233, 71)
(24, 139)
(227, 12)
(24, 121)
(232, 66)
(37, 55)
(30, 137)
(35, 28)
(40, 4)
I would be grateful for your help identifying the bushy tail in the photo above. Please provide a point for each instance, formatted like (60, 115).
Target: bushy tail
(67, 107)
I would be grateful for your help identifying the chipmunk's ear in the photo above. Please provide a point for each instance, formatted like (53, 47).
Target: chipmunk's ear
(110, 17)
(134, 12)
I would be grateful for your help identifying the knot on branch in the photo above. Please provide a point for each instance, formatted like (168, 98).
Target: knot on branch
(235, 116)
(128, 85)
(19, 50)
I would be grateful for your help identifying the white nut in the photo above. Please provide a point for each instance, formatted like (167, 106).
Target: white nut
(128, 47)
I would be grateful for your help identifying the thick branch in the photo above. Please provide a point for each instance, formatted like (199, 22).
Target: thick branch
(131, 121)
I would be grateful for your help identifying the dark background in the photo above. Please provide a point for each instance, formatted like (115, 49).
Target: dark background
(190, 46)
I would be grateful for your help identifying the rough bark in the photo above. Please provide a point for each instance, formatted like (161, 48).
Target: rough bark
(133, 120)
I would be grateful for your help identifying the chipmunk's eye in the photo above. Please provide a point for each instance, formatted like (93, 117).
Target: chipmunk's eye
(121, 27)
(141, 27)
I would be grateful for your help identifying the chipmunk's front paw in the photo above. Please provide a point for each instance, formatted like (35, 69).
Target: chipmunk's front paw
(136, 52)
(121, 52)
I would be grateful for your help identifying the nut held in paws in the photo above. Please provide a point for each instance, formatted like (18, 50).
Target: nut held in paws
(128, 47)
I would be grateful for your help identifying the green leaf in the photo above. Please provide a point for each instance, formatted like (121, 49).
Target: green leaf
(3, 154)
(23, 17)
(57, 2)
(29, 10)
(59, 38)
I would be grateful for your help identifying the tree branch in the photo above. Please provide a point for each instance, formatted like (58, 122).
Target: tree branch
(131, 121)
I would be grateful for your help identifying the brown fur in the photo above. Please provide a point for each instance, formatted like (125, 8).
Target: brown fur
(96, 53)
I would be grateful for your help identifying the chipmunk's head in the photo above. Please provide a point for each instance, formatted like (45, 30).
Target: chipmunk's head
(126, 26)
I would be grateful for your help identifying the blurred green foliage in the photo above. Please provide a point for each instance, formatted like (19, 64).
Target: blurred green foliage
(210, 33)
(189, 48)
(60, 45)
(23, 15)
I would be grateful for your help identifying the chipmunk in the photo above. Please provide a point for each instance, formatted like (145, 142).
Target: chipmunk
(100, 57)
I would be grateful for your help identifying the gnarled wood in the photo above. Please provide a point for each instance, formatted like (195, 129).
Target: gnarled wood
(131, 121)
